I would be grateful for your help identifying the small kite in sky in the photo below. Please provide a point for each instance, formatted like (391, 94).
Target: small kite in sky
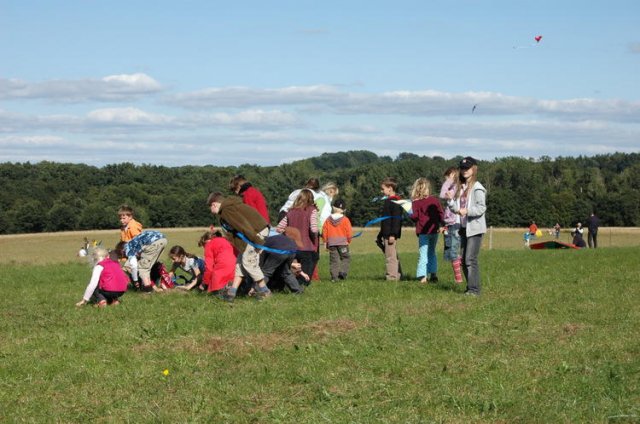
(473, 109)
(537, 38)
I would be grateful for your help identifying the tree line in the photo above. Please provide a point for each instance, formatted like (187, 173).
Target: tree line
(48, 196)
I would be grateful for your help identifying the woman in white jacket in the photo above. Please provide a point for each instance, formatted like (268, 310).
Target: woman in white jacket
(469, 202)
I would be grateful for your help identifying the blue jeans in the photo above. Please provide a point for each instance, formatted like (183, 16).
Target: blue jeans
(470, 266)
(427, 260)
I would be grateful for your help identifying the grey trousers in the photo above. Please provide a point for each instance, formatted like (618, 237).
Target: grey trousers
(339, 261)
(470, 266)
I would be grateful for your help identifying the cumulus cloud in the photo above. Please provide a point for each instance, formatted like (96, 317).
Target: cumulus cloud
(411, 103)
(233, 125)
(108, 89)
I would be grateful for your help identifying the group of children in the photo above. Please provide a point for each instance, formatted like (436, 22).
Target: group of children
(248, 255)
(462, 222)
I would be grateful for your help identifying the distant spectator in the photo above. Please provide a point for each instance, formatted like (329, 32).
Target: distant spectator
(556, 230)
(592, 224)
(578, 241)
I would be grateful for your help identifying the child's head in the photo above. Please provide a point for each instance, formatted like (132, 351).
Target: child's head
(339, 206)
(98, 254)
(119, 249)
(304, 199)
(177, 254)
(208, 235)
(388, 186)
(236, 183)
(125, 212)
(451, 173)
(468, 169)
(214, 201)
(312, 184)
(331, 189)
(421, 188)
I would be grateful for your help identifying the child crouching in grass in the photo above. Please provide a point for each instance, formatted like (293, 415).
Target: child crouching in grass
(189, 263)
(108, 281)
(219, 262)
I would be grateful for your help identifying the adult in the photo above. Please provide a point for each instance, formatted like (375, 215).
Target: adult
(592, 224)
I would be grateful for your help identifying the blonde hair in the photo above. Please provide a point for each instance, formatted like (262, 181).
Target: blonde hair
(421, 188)
(98, 254)
(331, 186)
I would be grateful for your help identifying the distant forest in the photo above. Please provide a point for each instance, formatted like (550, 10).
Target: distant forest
(49, 196)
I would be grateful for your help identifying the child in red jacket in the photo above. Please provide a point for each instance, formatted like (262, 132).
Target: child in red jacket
(219, 262)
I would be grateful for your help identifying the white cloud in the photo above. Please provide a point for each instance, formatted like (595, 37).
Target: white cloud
(127, 116)
(108, 89)
(329, 99)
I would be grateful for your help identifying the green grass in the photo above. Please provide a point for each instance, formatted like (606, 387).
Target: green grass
(553, 338)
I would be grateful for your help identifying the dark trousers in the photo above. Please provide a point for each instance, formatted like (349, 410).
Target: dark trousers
(109, 296)
(277, 272)
(308, 261)
(592, 238)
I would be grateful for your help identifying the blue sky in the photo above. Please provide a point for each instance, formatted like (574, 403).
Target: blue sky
(226, 83)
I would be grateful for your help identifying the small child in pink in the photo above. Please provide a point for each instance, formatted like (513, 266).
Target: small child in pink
(452, 224)
(108, 281)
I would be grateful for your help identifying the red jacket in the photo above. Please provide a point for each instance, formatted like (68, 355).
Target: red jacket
(254, 198)
(427, 214)
(219, 263)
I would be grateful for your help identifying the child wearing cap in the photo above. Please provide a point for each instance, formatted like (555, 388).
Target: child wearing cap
(469, 201)
(337, 234)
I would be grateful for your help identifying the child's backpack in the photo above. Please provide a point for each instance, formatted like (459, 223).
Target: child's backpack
(160, 276)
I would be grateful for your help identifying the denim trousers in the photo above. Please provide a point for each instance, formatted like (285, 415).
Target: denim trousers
(427, 259)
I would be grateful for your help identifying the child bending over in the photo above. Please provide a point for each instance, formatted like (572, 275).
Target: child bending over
(108, 281)
(187, 262)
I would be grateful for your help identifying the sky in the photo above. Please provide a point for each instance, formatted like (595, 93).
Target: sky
(269, 82)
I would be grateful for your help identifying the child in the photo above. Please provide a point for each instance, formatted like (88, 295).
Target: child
(452, 224)
(303, 216)
(108, 281)
(276, 261)
(390, 229)
(250, 195)
(142, 252)
(219, 262)
(242, 222)
(129, 227)
(188, 263)
(469, 202)
(337, 235)
(428, 215)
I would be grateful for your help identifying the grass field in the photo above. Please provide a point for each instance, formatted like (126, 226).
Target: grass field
(553, 338)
